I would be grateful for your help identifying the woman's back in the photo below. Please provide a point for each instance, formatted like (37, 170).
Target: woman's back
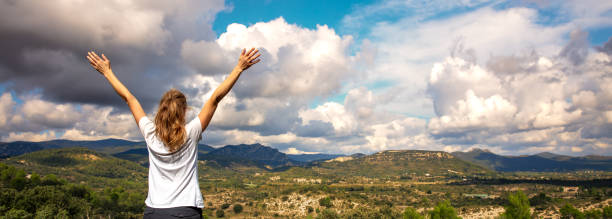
(172, 145)
(173, 176)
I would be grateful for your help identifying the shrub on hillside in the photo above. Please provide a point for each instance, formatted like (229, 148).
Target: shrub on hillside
(518, 206)
(443, 210)
(237, 208)
(325, 202)
(411, 213)
(220, 213)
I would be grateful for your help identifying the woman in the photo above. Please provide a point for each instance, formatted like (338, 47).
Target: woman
(173, 176)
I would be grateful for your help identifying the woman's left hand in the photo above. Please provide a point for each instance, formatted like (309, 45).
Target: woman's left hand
(102, 65)
(247, 59)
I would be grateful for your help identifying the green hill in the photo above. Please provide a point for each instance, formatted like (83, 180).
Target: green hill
(82, 165)
(403, 164)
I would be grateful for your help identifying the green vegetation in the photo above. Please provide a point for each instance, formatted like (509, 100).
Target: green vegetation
(607, 212)
(443, 210)
(392, 184)
(410, 213)
(237, 208)
(568, 211)
(325, 202)
(23, 197)
(328, 214)
(219, 213)
(79, 164)
(518, 206)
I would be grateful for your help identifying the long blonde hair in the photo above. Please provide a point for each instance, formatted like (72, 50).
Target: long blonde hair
(170, 119)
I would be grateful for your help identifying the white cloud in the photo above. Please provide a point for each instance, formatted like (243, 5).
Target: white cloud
(39, 120)
(297, 151)
(512, 83)
(29, 136)
(538, 105)
(344, 123)
(302, 64)
(49, 114)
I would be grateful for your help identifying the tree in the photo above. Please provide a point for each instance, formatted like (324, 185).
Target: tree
(569, 212)
(443, 210)
(325, 202)
(225, 206)
(17, 213)
(518, 206)
(237, 208)
(35, 179)
(607, 212)
(540, 199)
(19, 180)
(220, 213)
(410, 213)
(593, 214)
(47, 211)
(310, 209)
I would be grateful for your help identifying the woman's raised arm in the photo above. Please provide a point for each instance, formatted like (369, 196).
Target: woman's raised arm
(102, 65)
(246, 60)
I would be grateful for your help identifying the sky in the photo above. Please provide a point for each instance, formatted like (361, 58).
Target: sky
(513, 77)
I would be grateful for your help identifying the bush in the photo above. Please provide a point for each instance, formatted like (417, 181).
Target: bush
(518, 206)
(237, 208)
(310, 209)
(410, 213)
(17, 213)
(220, 213)
(325, 202)
(540, 199)
(593, 213)
(225, 206)
(568, 211)
(607, 212)
(328, 214)
(443, 210)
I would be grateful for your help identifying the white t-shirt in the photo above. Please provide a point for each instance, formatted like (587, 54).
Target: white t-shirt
(173, 177)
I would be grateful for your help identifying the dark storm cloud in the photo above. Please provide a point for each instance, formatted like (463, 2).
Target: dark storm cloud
(577, 48)
(315, 128)
(606, 48)
(44, 49)
(597, 131)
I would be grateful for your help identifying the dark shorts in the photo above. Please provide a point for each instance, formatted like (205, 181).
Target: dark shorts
(177, 212)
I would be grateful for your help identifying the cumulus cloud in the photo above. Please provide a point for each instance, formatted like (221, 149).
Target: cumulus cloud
(302, 65)
(516, 85)
(39, 120)
(297, 151)
(543, 102)
(29, 136)
(502, 77)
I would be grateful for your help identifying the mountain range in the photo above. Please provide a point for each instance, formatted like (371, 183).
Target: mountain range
(267, 157)
(542, 162)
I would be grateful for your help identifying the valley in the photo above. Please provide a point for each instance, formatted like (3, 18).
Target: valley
(266, 183)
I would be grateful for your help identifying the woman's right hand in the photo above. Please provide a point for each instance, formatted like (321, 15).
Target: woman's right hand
(102, 65)
(247, 59)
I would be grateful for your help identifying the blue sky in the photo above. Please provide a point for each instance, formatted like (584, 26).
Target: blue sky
(336, 76)
(308, 14)
(304, 13)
